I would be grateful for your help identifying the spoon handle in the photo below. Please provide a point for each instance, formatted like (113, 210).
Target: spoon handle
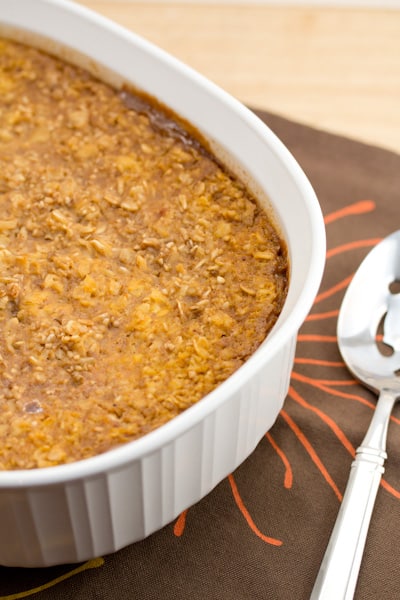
(337, 577)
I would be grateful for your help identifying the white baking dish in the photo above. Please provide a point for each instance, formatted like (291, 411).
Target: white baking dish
(78, 511)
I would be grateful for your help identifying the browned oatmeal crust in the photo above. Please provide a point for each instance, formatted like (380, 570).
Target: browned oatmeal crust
(136, 273)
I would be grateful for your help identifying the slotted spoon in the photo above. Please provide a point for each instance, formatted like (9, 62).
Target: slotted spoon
(370, 298)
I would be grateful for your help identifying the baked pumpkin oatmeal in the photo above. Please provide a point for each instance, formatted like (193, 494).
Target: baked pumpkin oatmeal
(137, 273)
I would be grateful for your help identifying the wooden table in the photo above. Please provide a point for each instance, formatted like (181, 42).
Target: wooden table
(334, 68)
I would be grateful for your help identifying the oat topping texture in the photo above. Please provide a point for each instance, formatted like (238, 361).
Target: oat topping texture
(136, 273)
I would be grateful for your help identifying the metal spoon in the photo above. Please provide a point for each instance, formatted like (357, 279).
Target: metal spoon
(370, 297)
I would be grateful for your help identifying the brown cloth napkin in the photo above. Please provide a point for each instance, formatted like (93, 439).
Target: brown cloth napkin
(262, 532)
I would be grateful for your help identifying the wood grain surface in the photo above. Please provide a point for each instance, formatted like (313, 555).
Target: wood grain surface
(337, 69)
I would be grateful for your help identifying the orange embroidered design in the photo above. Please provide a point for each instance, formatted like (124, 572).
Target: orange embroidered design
(332, 387)
(180, 524)
(288, 478)
(247, 516)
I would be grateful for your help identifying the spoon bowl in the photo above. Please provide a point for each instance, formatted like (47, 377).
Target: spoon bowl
(369, 300)
(368, 334)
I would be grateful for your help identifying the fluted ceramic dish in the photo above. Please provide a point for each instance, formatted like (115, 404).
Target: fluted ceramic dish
(93, 507)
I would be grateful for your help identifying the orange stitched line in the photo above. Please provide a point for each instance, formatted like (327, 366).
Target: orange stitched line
(339, 434)
(331, 291)
(180, 524)
(315, 337)
(352, 246)
(313, 455)
(388, 488)
(324, 382)
(341, 394)
(334, 392)
(246, 514)
(317, 383)
(288, 479)
(329, 382)
(326, 388)
(296, 397)
(321, 316)
(320, 362)
(358, 208)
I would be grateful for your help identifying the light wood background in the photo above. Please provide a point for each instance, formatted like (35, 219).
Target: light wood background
(336, 68)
